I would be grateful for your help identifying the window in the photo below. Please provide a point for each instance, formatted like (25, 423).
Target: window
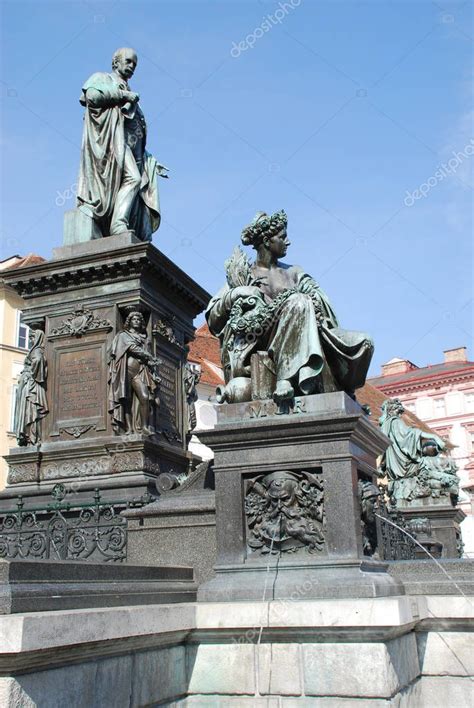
(22, 332)
(439, 407)
(410, 406)
(469, 400)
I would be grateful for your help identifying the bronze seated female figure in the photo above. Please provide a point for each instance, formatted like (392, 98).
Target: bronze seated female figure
(279, 309)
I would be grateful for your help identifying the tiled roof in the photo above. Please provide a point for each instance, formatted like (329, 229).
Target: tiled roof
(373, 397)
(204, 350)
(424, 372)
(21, 261)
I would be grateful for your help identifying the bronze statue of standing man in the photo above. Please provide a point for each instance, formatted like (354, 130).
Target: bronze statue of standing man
(117, 178)
(31, 403)
(132, 378)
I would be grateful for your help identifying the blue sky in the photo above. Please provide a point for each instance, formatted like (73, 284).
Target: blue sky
(337, 114)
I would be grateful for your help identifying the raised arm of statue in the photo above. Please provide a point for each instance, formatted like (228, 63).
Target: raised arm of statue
(431, 436)
(97, 99)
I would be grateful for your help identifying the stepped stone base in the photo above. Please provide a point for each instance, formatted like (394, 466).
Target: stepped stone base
(39, 586)
(444, 520)
(284, 580)
(425, 577)
(179, 527)
(399, 652)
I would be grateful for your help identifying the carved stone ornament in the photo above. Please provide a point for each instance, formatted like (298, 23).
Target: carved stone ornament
(285, 512)
(88, 467)
(369, 495)
(80, 321)
(76, 430)
(127, 461)
(165, 328)
(27, 472)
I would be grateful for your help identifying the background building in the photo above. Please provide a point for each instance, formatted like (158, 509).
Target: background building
(13, 346)
(442, 395)
(204, 353)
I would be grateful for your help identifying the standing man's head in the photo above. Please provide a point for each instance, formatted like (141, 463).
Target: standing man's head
(135, 321)
(124, 62)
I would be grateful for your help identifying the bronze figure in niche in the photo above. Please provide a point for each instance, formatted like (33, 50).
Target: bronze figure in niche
(133, 378)
(31, 403)
(285, 512)
(279, 312)
(192, 376)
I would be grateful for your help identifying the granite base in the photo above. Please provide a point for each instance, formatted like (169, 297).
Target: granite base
(37, 586)
(444, 520)
(266, 459)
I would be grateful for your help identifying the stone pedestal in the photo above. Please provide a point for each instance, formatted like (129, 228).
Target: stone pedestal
(178, 527)
(40, 586)
(80, 299)
(443, 519)
(288, 517)
(79, 227)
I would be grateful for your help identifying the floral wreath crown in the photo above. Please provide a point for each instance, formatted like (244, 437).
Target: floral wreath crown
(263, 225)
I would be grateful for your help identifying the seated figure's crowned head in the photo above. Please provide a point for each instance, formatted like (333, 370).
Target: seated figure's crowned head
(263, 226)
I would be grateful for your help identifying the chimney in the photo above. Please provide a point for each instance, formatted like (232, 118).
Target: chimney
(458, 354)
(397, 366)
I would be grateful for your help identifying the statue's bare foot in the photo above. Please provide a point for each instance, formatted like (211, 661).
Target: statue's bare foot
(283, 392)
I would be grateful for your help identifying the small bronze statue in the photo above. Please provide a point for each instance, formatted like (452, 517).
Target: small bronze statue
(413, 463)
(31, 403)
(278, 309)
(132, 378)
(191, 380)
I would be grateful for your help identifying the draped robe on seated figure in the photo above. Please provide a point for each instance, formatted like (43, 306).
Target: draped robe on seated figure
(305, 342)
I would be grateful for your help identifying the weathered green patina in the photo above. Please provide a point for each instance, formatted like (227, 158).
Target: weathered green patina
(413, 463)
(117, 178)
(279, 309)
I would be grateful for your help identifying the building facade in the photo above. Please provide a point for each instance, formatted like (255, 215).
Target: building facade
(442, 395)
(13, 347)
(204, 355)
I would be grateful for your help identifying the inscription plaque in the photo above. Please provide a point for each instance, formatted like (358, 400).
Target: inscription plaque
(80, 376)
(168, 422)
